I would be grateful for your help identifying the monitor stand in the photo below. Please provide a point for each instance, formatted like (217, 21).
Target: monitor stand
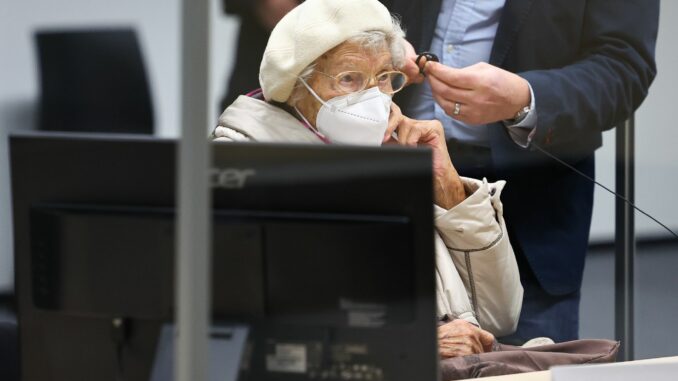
(226, 347)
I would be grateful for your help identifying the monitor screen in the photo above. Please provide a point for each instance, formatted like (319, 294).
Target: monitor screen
(326, 250)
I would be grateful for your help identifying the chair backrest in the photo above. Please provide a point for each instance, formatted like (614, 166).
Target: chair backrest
(93, 81)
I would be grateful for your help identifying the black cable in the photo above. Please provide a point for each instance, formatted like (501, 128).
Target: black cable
(119, 374)
(119, 331)
(603, 186)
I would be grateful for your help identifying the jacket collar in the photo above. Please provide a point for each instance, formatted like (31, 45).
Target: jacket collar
(513, 16)
(264, 122)
(430, 11)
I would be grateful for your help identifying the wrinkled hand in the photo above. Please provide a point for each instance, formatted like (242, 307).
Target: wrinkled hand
(461, 338)
(487, 94)
(270, 12)
(411, 69)
(447, 186)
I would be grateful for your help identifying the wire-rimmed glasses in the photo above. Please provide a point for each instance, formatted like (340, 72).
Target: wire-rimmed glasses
(389, 82)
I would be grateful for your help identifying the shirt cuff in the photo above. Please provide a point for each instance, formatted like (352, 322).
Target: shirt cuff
(523, 131)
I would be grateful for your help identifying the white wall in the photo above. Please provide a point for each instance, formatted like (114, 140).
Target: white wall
(656, 146)
(158, 24)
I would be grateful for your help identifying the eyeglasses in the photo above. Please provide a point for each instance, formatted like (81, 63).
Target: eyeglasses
(389, 82)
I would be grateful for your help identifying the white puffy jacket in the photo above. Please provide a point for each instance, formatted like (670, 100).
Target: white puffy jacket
(477, 275)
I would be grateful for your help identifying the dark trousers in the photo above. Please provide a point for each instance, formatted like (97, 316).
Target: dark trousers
(542, 314)
(556, 317)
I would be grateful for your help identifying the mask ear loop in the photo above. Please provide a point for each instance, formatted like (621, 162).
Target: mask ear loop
(426, 57)
(303, 118)
(316, 96)
(308, 125)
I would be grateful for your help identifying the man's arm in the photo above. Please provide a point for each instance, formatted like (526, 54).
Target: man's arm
(600, 88)
(611, 79)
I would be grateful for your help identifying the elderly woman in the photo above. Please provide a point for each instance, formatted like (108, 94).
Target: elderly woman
(327, 77)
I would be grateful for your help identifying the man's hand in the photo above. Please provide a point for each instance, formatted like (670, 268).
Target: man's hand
(485, 93)
(270, 12)
(448, 189)
(461, 338)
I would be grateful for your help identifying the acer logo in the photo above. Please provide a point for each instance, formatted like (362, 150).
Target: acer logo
(229, 178)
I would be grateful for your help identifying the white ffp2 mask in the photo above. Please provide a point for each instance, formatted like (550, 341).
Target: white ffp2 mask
(360, 118)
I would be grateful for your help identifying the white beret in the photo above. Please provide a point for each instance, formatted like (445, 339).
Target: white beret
(308, 32)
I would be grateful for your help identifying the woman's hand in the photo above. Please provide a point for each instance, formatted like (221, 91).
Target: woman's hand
(461, 338)
(448, 188)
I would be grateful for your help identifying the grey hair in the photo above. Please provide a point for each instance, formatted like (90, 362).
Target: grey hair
(373, 41)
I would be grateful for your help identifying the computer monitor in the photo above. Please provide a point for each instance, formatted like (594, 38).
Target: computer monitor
(324, 249)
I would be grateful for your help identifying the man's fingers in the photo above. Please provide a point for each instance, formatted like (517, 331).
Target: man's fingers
(451, 93)
(461, 78)
(449, 107)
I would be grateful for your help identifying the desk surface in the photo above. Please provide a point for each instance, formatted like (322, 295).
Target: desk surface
(546, 375)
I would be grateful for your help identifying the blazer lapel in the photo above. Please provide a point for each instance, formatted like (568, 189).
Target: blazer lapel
(430, 10)
(513, 16)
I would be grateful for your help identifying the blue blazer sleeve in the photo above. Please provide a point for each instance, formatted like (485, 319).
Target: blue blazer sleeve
(610, 78)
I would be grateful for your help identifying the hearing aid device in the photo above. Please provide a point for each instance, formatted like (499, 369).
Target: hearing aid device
(423, 59)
